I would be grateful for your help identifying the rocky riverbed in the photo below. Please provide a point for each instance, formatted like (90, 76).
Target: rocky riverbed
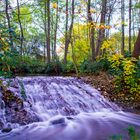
(12, 105)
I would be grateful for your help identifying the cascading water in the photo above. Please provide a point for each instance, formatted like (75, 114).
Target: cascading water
(69, 109)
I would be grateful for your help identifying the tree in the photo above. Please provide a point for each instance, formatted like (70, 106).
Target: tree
(69, 30)
(47, 29)
(72, 22)
(123, 26)
(92, 29)
(21, 29)
(136, 52)
(48, 32)
(109, 13)
(80, 47)
(9, 23)
(66, 34)
(101, 35)
(56, 28)
(130, 20)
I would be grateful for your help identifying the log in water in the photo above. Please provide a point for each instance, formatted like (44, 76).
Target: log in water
(69, 109)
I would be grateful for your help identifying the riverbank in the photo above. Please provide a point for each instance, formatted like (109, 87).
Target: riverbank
(104, 83)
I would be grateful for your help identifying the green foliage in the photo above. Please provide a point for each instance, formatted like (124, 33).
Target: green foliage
(30, 66)
(54, 67)
(12, 63)
(95, 67)
(137, 5)
(132, 134)
(7, 52)
(25, 16)
(81, 45)
(68, 68)
(116, 137)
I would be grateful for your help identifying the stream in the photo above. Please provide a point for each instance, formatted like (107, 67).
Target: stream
(66, 108)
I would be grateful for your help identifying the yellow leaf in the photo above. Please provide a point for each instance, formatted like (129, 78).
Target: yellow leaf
(54, 5)
(92, 11)
(107, 27)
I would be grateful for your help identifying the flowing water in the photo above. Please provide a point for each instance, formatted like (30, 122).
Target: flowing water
(69, 109)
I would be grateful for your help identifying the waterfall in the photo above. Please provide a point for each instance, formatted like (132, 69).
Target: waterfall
(67, 109)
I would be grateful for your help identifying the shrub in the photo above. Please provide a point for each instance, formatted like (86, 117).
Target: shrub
(8, 62)
(55, 67)
(68, 68)
(126, 71)
(94, 67)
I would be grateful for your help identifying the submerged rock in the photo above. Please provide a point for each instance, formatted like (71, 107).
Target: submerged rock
(1, 124)
(70, 118)
(7, 129)
(2, 105)
(58, 121)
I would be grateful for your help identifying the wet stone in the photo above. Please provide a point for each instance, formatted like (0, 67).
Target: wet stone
(70, 118)
(6, 130)
(58, 121)
(2, 105)
(14, 84)
(1, 124)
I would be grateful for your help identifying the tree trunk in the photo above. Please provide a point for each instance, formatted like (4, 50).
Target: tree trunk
(133, 25)
(9, 24)
(123, 27)
(66, 34)
(91, 30)
(48, 32)
(55, 30)
(136, 52)
(44, 52)
(130, 17)
(110, 12)
(45, 26)
(101, 35)
(74, 59)
(71, 25)
(69, 33)
(52, 36)
(21, 29)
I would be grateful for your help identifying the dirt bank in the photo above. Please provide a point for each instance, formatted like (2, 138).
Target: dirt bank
(105, 84)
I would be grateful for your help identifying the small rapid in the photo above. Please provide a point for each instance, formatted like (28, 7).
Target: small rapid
(63, 96)
(68, 109)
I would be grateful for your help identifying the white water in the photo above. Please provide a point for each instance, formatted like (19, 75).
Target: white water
(69, 109)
